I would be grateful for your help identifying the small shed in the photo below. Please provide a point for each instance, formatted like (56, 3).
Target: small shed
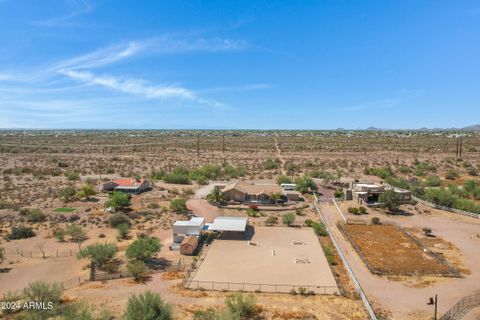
(188, 245)
(187, 228)
(291, 195)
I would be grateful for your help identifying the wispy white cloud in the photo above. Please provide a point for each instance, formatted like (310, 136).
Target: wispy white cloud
(239, 88)
(132, 86)
(76, 7)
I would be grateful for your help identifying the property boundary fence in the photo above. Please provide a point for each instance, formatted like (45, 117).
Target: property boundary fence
(436, 206)
(462, 307)
(104, 276)
(352, 276)
(36, 254)
(66, 284)
(262, 287)
(339, 210)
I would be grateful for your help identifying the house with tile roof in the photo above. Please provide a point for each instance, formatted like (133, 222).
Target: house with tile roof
(127, 185)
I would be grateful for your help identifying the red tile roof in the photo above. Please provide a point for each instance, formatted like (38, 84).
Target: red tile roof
(128, 182)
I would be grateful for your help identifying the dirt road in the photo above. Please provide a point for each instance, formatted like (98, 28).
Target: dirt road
(408, 301)
(202, 208)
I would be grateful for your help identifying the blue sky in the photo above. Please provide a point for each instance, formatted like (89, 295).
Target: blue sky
(239, 64)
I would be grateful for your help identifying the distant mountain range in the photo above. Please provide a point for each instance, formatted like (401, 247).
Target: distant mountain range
(475, 127)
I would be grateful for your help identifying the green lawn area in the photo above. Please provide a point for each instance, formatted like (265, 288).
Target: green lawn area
(65, 209)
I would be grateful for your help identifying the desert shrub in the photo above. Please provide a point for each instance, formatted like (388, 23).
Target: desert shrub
(117, 200)
(157, 175)
(288, 218)
(143, 248)
(320, 229)
(308, 222)
(123, 230)
(40, 291)
(147, 306)
(433, 181)
(86, 191)
(329, 255)
(252, 212)
(100, 253)
(362, 210)
(21, 232)
(390, 200)
(471, 171)
(137, 269)
(271, 220)
(382, 172)
(283, 179)
(244, 307)
(117, 219)
(179, 205)
(451, 174)
(67, 193)
(2, 254)
(270, 164)
(375, 220)
(177, 178)
(77, 233)
(208, 314)
(35, 215)
(72, 175)
(59, 233)
(353, 210)
(338, 193)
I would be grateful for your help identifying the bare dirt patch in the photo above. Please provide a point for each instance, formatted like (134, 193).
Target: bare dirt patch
(388, 250)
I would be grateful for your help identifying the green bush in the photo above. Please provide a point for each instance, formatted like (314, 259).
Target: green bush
(117, 219)
(362, 210)
(40, 291)
(118, 200)
(35, 215)
(451, 175)
(353, 210)
(137, 269)
(308, 222)
(179, 205)
(283, 179)
(288, 218)
(433, 181)
(20, 232)
(100, 253)
(270, 164)
(143, 248)
(243, 307)
(123, 230)
(375, 220)
(177, 178)
(320, 229)
(338, 193)
(147, 306)
(271, 220)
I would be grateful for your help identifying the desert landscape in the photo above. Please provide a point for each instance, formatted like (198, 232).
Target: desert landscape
(55, 211)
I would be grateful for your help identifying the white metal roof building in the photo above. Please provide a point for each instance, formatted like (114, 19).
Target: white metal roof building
(192, 227)
(237, 224)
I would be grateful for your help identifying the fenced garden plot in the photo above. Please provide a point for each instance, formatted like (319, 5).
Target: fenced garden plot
(389, 250)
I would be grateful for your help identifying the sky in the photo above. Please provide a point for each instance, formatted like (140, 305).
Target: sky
(239, 64)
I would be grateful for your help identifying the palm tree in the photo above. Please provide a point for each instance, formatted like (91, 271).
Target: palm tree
(216, 197)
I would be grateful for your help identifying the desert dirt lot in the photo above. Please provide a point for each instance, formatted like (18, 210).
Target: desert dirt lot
(235, 265)
(388, 250)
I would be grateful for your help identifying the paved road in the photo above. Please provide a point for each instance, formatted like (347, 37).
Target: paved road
(396, 296)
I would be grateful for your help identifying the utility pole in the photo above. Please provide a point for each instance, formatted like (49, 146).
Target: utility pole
(223, 148)
(434, 302)
(461, 146)
(198, 145)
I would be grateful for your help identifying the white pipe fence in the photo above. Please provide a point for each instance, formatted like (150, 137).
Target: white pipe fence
(352, 276)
